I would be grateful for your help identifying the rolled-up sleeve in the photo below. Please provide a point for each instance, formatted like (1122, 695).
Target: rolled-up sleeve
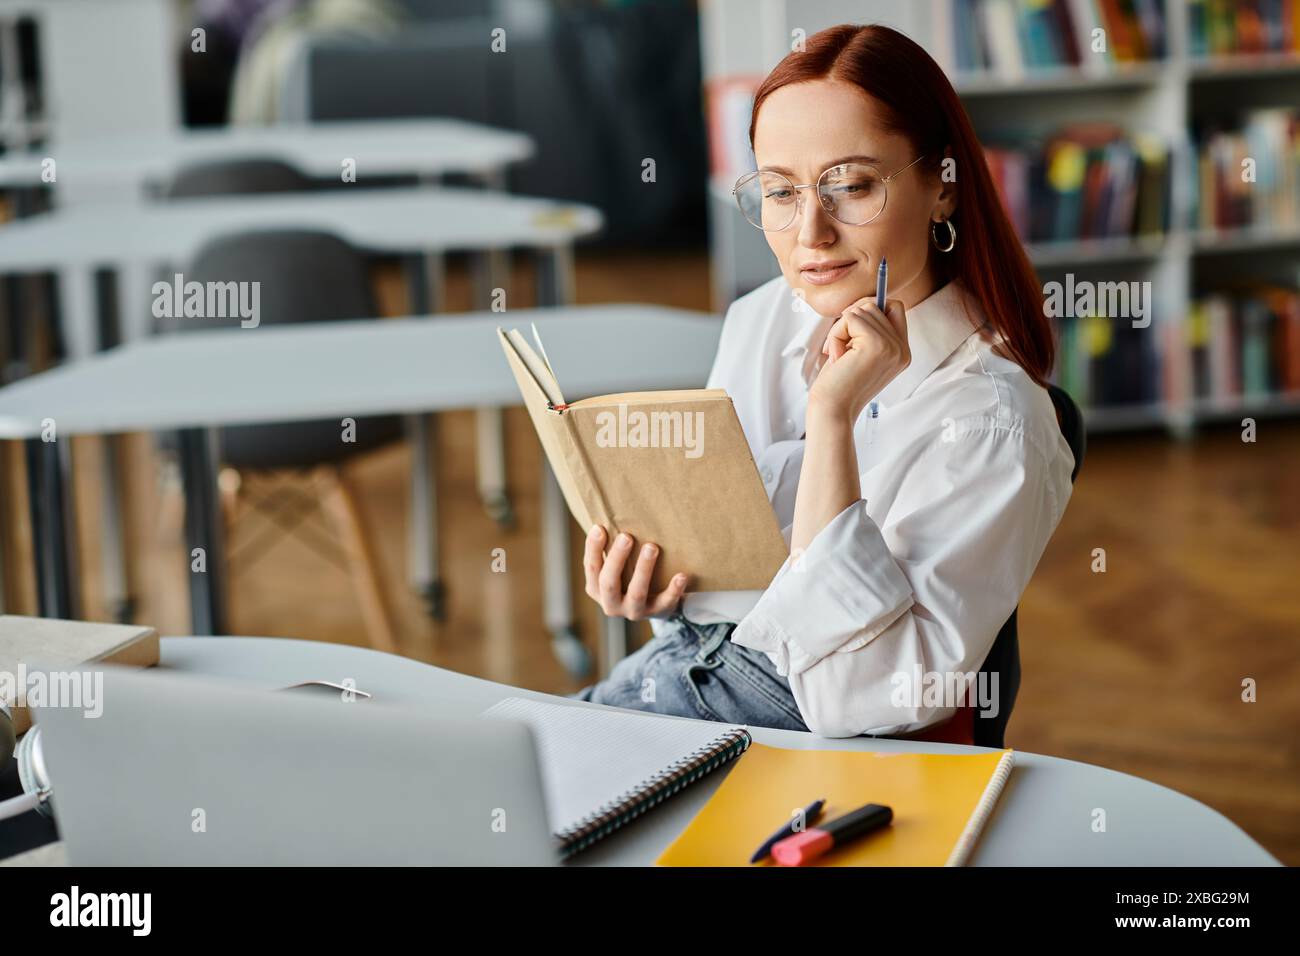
(926, 590)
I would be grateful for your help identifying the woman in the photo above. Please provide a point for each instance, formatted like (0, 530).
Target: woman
(912, 454)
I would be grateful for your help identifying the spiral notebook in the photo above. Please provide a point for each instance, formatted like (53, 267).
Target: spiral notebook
(602, 768)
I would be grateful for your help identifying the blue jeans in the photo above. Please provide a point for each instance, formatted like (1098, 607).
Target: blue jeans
(694, 670)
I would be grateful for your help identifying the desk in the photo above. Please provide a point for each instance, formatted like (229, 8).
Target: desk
(1042, 819)
(139, 238)
(195, 382)
(425, 147)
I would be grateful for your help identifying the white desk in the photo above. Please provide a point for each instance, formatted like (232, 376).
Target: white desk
(1043, 818)
(142, 240)
(195, 382)
(425, 147)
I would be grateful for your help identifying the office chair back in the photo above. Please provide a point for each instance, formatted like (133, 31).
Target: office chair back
(1004, 657)
(304, 276)
(235, 177)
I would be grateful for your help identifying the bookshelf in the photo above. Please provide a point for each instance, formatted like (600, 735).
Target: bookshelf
(1170, 99)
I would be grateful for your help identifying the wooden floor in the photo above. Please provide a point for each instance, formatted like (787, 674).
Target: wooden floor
(1139, 669)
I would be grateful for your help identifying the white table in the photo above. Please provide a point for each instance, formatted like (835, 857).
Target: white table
(143, 240)
(1043, 817)
(386, 147)
(202, 380)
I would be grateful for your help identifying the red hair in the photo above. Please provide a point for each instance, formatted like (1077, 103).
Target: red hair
(921, 104)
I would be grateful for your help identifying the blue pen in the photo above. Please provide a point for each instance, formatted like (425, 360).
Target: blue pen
(810, 815)
(882, 282)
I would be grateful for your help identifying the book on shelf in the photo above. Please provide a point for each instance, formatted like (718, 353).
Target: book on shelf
(1244, 342)
(1221, 28)
(1011, 38)
(1102, 361)
(1086, 181)
(1249, 177)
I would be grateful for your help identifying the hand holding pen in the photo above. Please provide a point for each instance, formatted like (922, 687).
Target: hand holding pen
(866, 349)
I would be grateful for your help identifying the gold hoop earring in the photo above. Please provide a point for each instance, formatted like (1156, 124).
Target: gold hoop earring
(952, 235)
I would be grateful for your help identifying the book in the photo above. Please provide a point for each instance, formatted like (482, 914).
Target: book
(603, 768)
(941, 803)
(1226, 28)
(669, 467)
(1084, 181)
(30, 642)
(1244, 342)
(1249, 178)
(1010, 39)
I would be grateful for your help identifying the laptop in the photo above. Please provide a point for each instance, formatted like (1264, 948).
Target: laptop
(181, 770)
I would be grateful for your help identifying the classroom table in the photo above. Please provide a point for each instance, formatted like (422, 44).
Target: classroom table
(1043, 818)
(379, 147)
(146, 241)
(142, 241)
(199, 381)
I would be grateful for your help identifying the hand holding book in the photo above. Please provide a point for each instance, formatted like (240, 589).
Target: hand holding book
(604, 575)
(671, 469)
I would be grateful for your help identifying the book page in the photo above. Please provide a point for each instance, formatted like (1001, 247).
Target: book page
(539, 368)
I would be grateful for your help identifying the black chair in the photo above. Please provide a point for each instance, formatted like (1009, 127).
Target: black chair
(235, 177)
(1004, 657)
(304, 276)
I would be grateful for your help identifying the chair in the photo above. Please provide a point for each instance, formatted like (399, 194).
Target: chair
(304, 276)
(235, 177)
(1004, 657)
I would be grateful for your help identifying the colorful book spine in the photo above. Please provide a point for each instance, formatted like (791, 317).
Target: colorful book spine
(1086, 182)
(1012, 38)
(1245, 344)
(1249, 177)
(1104, 362)
(1234, 28)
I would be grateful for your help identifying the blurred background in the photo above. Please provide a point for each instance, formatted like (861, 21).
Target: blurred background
(1168, 153)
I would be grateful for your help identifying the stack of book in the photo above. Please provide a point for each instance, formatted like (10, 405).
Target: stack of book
(1011, 37)
(1245, 343)
(1089, 181)
(1250, 177)
(1243, 27)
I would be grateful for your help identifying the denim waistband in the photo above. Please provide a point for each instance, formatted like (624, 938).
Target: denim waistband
(710, 636)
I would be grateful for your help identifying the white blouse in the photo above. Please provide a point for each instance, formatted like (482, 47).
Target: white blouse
(964, 474)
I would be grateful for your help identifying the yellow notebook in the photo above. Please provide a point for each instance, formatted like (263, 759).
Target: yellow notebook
(940, 802)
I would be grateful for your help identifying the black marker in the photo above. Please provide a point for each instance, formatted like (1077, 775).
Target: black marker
(807, 846)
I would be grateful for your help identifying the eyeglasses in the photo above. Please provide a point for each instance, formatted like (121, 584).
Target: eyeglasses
(851, 193)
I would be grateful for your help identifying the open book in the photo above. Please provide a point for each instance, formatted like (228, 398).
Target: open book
(670, 467)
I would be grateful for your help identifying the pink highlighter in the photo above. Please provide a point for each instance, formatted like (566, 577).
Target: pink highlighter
(807, 846)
